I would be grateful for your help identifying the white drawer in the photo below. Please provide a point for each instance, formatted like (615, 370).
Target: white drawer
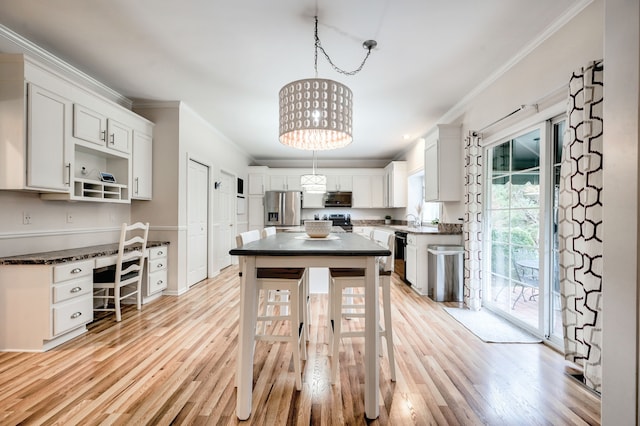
(157, 265)
(71, 289)
(156, 252)
(70, 315)
(157, 281)
(106, 261)
(68, 271)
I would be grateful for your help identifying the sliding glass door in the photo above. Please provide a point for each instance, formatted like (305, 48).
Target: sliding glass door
(521, 249)
(513, 214)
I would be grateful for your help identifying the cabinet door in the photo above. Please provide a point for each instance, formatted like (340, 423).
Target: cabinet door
(256, 212)
(312, 201)
(142, 166)
(293, 183)
(411, 265)
(431, 184)
(89, 125)
(119, 136)
(361, 197)
(48, 160)
(256, 183)
(278, 183)
(377, 191)
(339, 183)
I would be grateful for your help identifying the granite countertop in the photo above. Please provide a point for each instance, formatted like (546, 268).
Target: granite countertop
(440, 229)
(70, 255)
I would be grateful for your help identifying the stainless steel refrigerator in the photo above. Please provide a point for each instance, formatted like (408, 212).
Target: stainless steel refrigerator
(282, 208)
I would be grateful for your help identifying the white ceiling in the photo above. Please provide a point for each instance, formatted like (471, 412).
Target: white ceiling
(228, 59)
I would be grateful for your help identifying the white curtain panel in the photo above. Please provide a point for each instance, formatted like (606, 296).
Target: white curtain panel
(580, 224)
(472, 227)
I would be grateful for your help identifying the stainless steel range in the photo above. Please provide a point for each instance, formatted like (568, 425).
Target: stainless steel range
(341, 220)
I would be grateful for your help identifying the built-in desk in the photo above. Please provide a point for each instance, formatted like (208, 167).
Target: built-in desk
(47, 298)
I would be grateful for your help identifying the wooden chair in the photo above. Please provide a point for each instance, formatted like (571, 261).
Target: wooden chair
(124, 279)
(289, 280)
(343, 282)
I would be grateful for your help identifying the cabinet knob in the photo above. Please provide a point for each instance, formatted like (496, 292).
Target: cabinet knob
(160, 282)
(75, 290)
(75, 315)
(159, 265)
(76, 270)
(160, 253)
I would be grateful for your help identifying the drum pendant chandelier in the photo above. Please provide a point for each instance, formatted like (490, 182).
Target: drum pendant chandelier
(315, 113)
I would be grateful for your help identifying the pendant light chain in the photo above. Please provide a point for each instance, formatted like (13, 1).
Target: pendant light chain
(369, 44)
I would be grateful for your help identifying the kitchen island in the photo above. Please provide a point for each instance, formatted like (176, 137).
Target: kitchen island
(284, 250)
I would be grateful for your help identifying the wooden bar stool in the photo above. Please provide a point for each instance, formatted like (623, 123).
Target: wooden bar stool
(343, 282)
(278, 297)
(291, 310)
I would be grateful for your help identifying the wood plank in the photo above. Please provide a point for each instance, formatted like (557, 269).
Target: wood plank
(174, 363)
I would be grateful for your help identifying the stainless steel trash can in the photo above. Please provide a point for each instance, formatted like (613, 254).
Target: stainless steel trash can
(445, 272)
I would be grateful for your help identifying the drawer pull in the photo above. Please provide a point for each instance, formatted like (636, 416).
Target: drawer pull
(160, 265)
(75, 315)
(160, 282)
(76, 270)
(160, 253)
(75, 290)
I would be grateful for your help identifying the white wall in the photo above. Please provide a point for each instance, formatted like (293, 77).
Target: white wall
(542, 72)
(92, 223)
(202, 142)
(180, 134)
(620, 213)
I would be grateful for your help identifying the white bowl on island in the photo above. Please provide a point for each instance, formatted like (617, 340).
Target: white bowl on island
(317, 228)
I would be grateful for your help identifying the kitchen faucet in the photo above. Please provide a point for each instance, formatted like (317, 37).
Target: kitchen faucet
(414, 223)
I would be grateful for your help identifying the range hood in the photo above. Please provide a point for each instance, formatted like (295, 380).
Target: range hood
(338, 199)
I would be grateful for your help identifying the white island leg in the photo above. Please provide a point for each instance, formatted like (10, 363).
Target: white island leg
(371, 372)
(244, 378)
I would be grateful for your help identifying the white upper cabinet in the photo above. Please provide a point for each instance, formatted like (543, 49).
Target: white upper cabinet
(368, 191)
(443, 164)
(257, 180)
(91, 126)
(35, 125)
(395, 184)
(142, 166)
(54, 144)
(312, 201)
(48, 153)
(285, 183)
(343, 183)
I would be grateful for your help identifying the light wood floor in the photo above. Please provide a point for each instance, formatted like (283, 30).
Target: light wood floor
(174, 363)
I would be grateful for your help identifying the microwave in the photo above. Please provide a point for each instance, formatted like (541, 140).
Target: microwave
(338, 199)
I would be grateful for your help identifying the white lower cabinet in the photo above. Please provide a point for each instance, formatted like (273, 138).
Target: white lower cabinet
(72, 298)
(46, 305)
(155, 280)
(411, 266)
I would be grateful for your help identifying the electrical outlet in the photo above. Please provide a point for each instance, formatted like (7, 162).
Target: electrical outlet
(69, 217)
(26, 218)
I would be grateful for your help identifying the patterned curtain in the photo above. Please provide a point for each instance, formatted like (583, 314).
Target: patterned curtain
(472, 227)
(580, 224)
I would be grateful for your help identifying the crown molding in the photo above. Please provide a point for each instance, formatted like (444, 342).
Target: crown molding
(12, 42)
(458, 109)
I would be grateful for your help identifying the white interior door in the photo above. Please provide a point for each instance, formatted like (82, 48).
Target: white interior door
(227, 211)
(197, 213)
